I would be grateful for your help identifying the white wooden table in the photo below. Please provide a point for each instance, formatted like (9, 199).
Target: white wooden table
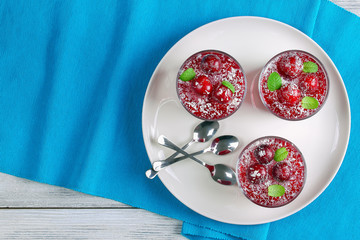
(30, 210)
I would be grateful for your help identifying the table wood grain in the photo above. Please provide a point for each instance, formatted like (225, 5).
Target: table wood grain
(30, 210)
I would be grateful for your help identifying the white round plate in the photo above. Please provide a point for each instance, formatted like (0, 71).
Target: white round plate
(322, 138)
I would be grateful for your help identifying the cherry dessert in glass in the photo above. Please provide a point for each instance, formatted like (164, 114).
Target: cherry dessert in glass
(211, 85)
(271, 171)
(294, 85)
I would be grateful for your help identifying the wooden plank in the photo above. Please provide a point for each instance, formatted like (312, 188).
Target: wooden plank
(21, 193)
(86, 224)
(32, 210)
(350, 5)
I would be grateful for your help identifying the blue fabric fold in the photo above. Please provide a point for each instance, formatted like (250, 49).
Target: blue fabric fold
(73, 75)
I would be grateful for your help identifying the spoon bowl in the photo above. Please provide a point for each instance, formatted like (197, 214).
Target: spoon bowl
(205, 131)
(224, 145)
(222, 174)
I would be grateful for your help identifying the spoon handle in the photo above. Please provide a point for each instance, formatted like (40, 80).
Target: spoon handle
(162, 140)
(158, 165)
(177, 153)
(152, 172)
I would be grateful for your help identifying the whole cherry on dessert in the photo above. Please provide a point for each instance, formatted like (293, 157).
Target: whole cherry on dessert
(211, 63)
(202, 85)
(256, 173)
(310, 83)
(264, 154)
(291, 65)
(289, 94)
(281, 171)
(223, 94)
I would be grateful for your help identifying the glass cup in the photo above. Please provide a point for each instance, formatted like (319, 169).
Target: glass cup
(208, 95)
(293, 85)
(270, 165)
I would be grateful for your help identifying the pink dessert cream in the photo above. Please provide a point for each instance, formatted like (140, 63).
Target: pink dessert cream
(294, 85)
(271, 171)
(211, 85)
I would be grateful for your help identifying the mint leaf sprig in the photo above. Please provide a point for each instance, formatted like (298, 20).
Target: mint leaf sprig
(309, 103)
(310, 67)
(276, 190)
(280, 154)
(188, 75)
(228, 85)
(274, 81)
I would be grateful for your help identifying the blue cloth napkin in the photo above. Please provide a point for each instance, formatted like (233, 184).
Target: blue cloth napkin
(73, 75)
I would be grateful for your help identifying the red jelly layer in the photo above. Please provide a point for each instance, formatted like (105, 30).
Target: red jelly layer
(258, 192)
(271, 98)
(207, 107)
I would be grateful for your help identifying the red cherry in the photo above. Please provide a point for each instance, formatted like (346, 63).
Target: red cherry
(281, 172)
(202, 85)
(264, 154)
(310, 83)
(211, 63)
(289, 94)
(256, 173)
(290, 65)
(223, 94)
